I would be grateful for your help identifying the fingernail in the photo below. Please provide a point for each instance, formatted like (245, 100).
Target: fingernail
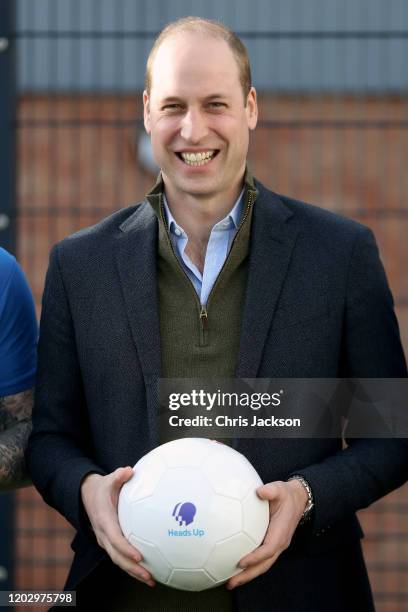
(243, 565)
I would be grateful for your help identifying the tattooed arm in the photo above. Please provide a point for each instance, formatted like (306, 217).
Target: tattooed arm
(15, 427)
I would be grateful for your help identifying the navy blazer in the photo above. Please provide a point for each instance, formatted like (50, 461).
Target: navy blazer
(317, 305)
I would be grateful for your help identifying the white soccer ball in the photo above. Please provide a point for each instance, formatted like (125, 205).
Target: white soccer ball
(192, 511)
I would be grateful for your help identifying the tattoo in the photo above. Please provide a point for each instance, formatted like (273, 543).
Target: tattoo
(15, 428)
(15, 408)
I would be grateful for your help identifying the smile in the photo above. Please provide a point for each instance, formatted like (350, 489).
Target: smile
(199, 158)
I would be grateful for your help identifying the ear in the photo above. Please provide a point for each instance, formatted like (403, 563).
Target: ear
(252, 109)
(146, 111)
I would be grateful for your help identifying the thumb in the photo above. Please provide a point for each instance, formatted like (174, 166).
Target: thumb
(268, 491)
(122, 475)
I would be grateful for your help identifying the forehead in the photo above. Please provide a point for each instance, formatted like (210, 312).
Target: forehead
(189, 64)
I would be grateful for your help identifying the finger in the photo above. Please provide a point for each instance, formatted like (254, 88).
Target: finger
(150, 583)
(274, 543)
(251, 573)
(137, 571)
(263, 552)
(122, 475)
(112, 535)
(128, 565)
(270, 491)
(119, 477)
(121, 545)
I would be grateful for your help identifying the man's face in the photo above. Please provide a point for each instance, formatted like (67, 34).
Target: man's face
(196, 117)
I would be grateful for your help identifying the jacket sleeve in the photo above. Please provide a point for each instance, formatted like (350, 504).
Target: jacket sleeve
(58, 453)
(367, 469)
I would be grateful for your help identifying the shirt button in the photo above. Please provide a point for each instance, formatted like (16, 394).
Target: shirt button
(177, 231)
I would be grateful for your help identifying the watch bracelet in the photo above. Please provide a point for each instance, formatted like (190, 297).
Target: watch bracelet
(310, 501)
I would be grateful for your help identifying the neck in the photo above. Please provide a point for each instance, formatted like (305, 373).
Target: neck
(197, 215)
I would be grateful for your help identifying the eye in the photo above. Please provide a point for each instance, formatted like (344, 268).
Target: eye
(171, 107)
(217, 105)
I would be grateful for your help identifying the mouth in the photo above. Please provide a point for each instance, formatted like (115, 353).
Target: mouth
(197, 158)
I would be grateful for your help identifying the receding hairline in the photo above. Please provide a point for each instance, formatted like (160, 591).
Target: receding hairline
(210, 29)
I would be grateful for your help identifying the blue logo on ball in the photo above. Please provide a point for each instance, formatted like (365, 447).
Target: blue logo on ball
(184, 513)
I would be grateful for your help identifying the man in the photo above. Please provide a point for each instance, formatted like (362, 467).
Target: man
(213, 275)
(18, 343)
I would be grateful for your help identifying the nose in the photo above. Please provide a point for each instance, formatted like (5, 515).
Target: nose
(193, 127)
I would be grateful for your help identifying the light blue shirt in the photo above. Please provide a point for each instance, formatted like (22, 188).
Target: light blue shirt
(219, 244)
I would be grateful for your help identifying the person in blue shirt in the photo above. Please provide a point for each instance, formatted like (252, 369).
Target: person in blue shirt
(18, 355)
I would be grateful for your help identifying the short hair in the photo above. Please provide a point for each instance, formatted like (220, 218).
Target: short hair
(207, 27)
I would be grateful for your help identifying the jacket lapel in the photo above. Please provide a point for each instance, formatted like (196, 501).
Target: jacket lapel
(272, 243)
(136, 262)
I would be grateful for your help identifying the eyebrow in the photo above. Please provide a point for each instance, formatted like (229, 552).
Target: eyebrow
(217, 95)
(206, 99)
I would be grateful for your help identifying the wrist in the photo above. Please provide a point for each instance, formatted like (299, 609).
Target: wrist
(300, 494)
(87, 486)
(305, 493)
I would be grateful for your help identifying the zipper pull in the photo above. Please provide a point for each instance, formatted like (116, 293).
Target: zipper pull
(204, 318)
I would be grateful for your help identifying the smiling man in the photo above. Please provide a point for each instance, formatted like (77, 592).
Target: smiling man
(198, 111)
(212, 275)
(199, 108)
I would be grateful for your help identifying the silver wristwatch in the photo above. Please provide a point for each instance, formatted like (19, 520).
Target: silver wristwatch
(307, 512)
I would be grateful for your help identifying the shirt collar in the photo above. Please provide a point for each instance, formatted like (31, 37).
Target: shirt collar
(231, 220)
(154, 195)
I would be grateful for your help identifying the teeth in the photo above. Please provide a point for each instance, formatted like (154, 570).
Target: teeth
(198, 159)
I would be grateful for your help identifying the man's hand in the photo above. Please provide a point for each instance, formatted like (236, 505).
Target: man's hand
(100, 496)
(287, 501)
